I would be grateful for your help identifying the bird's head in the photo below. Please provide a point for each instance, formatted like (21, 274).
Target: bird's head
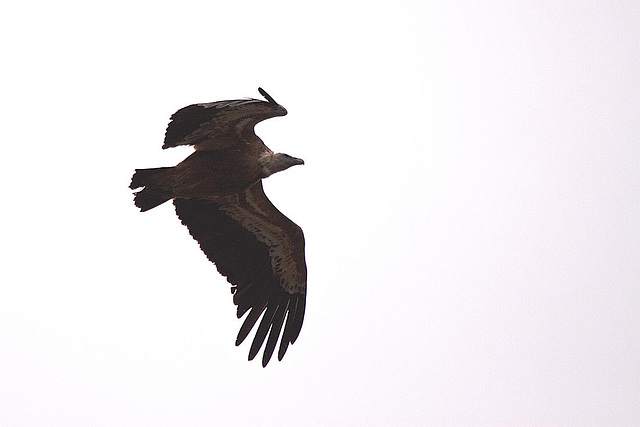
(280, 162)
(289, 160)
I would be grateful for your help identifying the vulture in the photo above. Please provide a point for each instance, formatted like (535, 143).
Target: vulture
(217, 193)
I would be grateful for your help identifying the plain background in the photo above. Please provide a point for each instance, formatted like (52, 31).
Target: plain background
(470, 199)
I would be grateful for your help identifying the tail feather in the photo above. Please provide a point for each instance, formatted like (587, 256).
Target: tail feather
(148, 197)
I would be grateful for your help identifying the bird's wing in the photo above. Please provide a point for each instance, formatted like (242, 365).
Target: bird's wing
(261, 252)
(219, 124)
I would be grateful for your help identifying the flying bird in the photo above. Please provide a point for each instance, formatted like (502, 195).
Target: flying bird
(217, 193)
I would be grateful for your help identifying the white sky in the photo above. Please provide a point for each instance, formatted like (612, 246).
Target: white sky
(470, 200)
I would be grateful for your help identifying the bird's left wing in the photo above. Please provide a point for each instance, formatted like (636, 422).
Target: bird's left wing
(261, 252)
(220, 124)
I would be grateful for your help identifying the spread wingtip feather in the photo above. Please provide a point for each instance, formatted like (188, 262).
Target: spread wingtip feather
(266, 95)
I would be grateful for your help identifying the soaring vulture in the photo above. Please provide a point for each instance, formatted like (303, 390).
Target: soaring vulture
(217, 193)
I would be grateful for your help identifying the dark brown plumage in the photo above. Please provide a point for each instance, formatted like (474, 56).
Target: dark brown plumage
(217, 192)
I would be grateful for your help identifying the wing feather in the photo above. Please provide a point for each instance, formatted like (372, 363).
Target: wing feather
(263, 328)
(250, 321)
(276, 322)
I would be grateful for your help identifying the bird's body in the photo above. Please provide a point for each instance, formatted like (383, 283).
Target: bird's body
(217, 192)
(208, 174)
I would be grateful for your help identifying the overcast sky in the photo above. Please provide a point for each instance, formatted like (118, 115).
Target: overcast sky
(470, 201)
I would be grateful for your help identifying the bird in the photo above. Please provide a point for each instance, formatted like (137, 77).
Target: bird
(218, 195)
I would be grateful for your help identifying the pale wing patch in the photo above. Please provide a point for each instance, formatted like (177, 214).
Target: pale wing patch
(225, 104)
(255, 220)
